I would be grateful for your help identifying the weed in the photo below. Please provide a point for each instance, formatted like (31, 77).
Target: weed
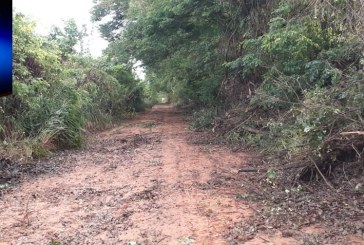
(203, 119)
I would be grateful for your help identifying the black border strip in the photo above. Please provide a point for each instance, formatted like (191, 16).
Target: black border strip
(6, 47)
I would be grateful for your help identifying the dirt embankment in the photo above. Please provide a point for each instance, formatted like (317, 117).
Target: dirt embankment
(141, 183)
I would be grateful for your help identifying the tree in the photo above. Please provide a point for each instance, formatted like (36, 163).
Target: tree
(177, 41)
(116, 9)
(69, 37)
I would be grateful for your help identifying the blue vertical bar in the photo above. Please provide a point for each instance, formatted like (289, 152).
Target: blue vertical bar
(5, 47)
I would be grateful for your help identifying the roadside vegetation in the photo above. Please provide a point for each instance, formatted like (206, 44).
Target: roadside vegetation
(60, 94)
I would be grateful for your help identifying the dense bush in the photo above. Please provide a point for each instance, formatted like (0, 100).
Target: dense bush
(307, 70)
(59, 94)
(203, 119)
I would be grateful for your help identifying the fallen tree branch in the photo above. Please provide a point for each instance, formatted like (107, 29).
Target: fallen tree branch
(252, 130)
(353, 133)
(322, 175)
(247, 170)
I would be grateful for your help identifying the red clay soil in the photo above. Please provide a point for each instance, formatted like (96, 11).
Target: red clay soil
(140, 183)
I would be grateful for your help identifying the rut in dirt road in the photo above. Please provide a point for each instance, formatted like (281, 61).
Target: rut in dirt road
(140, 183)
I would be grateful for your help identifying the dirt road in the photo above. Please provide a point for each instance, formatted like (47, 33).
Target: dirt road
(141, 183)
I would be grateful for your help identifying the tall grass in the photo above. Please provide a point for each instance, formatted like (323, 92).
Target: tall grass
(57, 99)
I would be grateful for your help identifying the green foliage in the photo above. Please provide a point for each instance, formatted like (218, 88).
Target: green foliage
(56, 100)
(203, 119)
(115, 8)
(308, 79)
(67, 38)
(178, 42)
